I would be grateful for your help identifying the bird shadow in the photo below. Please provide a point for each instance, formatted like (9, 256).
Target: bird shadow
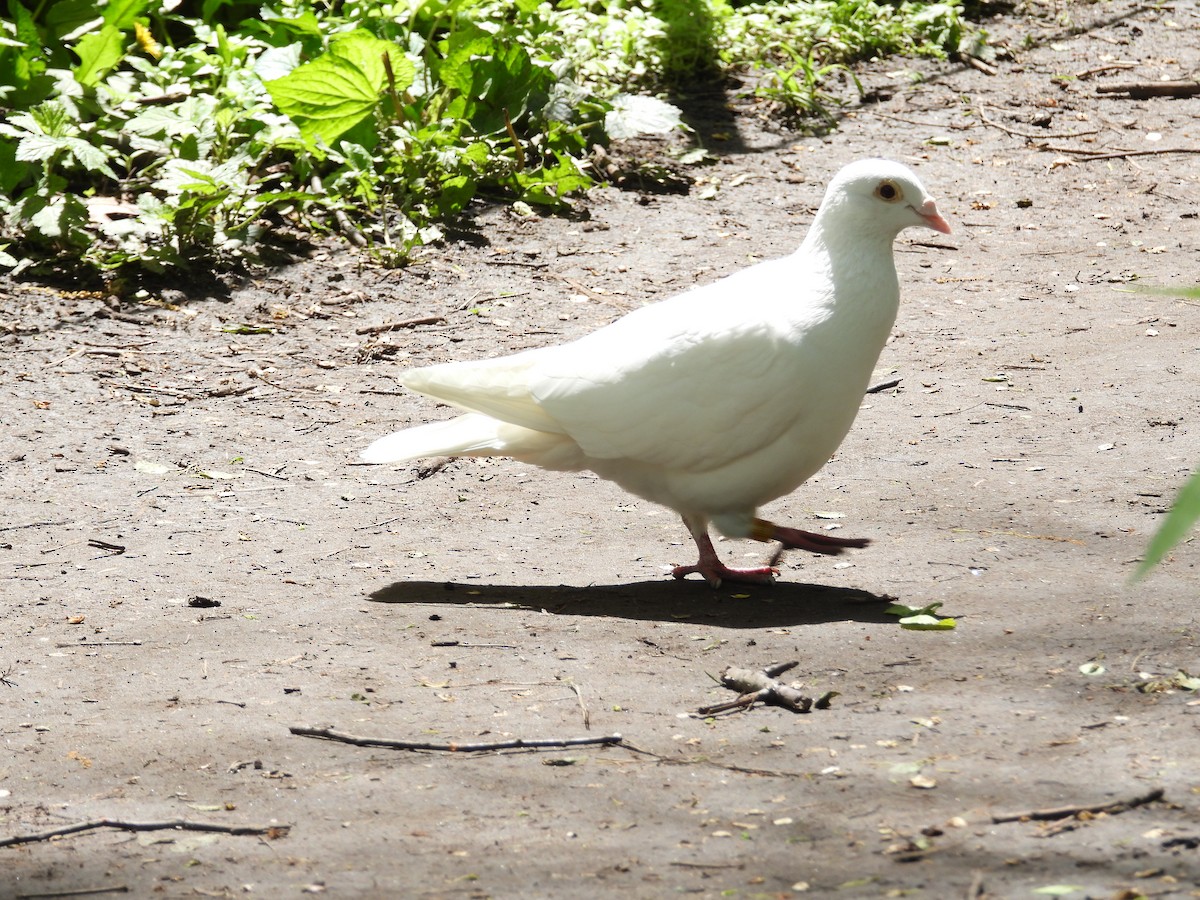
(741, 606)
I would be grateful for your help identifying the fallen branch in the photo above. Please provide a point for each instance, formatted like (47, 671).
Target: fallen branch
(404, 323)
(272, 831)
(1089, 155)
(1066, 812)
(1016, 132)
(978, 64)
(345, 226)
(30, 525)
(884, 385)
(761, 686)
(77, 892)
(330, 734)
(704, 761)
(1142, 90)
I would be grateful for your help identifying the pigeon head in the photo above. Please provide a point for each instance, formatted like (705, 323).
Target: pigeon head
(877, 196)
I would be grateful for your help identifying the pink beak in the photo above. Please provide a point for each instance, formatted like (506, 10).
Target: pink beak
(933, 219)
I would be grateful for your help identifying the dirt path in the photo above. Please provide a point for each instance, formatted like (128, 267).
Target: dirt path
(1045, 417)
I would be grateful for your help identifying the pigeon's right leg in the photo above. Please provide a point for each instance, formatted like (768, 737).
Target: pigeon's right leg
(710, 566)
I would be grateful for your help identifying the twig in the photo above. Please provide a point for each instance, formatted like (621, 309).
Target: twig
(122, 825)
(404, 323)
(99, 644)
(515, 744)
(345, 226)
(884, 385)
(516, 142)
(30, 525)
(1065, 812)
(493, 261)
(105, 545)
(1032, 135)
(467, 645)
(266, 474)
(77, 892)
(1088, 73)
(587, 718)
(1088, 155)
(694, 761)
(953, 126)
(1142, 90)
(976, 63)
(754, 687)
(147, 389)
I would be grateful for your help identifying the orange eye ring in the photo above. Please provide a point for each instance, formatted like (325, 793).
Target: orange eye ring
(889, 192)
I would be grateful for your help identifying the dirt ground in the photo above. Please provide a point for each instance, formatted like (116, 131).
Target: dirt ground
(1044, 419)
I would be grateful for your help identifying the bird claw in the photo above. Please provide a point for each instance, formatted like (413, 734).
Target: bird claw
(716, 573)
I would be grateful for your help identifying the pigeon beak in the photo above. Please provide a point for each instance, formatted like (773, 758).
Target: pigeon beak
(928, 211)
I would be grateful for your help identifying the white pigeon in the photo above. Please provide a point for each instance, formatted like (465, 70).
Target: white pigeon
(712, 402)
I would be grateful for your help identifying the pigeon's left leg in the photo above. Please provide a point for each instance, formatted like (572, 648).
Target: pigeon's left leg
(796, 539)
(710, 566)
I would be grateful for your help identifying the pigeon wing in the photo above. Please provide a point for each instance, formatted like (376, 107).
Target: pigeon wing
(689, 384)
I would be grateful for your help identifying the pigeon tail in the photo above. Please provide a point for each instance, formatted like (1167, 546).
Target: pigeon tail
(476, 435)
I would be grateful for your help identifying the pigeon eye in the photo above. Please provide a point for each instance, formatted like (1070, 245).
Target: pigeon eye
(888, 191)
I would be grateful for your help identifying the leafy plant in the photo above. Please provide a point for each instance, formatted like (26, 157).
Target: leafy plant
(1177, 526)
(155, 135)
(1185, 511)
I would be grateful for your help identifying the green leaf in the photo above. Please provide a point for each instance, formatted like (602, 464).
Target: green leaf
(59, 218)
(122, 13)
(334, 92)
(98, 52)
(924, 618)
(460, 68)
(1175, 527)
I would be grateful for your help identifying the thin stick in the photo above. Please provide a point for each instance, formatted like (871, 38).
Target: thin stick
(345, 226)
(1088, 73)
(77, 892)
(1088, 156)
(1065, 812)
(122, 825)
(30, 525)
(469, 646)
(1032, 136)
(404, 323)
(147, 389)
(265, 474)
(516, 142)
(1141, 90)
(100, 644)
(976, 63)
(516, 744)
(884, 385)
(587, 718)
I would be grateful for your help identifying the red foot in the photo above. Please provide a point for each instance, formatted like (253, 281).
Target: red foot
(796, 539)
(715, 572)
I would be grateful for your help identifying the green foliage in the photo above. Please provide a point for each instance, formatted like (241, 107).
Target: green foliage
(1177, 526)
(156, 135)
